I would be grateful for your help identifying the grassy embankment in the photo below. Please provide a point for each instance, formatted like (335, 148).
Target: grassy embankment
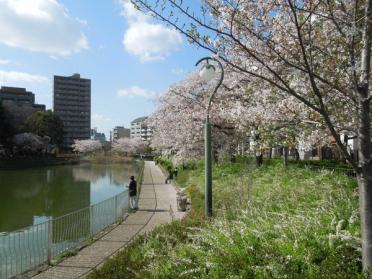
(270, 223)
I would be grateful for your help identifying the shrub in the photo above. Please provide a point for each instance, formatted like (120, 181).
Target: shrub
(165, 162)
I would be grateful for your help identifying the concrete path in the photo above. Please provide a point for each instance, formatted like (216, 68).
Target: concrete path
(157, 205)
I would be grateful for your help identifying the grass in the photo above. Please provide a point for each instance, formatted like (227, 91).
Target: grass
(56, 260)
(269, 222)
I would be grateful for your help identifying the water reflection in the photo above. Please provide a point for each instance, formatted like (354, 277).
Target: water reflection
(28, 196)
(118, 174)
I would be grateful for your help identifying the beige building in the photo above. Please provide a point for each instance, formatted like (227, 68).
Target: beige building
(72, 103)
(120, 132)
(139, 129)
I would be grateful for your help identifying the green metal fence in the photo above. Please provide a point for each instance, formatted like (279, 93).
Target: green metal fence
(30, 247)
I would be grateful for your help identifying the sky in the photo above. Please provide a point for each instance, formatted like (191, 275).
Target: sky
(129, 57)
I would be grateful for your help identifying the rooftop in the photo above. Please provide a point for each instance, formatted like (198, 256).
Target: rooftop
(139, 119)
(15, 90)
(72, 77)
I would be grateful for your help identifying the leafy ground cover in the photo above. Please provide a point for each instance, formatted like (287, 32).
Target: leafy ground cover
(269, 222)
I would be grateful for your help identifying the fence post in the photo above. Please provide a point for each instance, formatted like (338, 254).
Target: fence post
(91, 211)
(50, 240)
(129, 207)
(116, 208)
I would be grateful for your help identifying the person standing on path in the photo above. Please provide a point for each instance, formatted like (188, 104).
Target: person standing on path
(133, 193)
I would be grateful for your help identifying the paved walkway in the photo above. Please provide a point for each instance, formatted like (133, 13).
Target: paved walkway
(157, 205)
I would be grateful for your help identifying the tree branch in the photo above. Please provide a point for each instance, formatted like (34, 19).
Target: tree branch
(323, 111)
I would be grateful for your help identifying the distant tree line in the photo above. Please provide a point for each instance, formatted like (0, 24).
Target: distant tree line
(15, 120)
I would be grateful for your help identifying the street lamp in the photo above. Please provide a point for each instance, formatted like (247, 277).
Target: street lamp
(207, 73)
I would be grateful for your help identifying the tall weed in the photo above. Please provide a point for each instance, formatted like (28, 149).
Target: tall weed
(275, 223)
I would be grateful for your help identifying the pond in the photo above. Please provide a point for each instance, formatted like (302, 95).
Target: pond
(48, 211)
(32, 196)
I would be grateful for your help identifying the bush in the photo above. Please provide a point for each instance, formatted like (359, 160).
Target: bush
(165, 162)
(191, 165)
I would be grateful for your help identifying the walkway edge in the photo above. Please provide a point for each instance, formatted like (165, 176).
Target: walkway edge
(157, 201)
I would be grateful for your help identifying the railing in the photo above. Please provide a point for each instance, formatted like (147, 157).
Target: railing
(28, 248)
(140, 179)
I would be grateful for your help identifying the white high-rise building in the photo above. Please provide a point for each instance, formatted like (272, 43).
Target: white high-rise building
(139, 129)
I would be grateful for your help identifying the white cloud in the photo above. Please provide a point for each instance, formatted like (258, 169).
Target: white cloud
(83, 22)
(4, 61)
(147, 40)
(42, 26)
(131, 13)
(136, 91)
(14, 77)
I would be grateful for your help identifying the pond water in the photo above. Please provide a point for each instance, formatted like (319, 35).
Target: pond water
(51, 210)
(32, 196)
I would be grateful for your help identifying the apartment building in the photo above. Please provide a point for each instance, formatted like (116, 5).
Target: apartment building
(140, 130)
(72, 103)
(120, 132)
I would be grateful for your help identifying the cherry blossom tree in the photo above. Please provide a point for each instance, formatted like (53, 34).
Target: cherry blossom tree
(318, 52)
(178, 122)
(87, 146)
(28, 143)
(240, 110)
(141, 147)
(129, 146)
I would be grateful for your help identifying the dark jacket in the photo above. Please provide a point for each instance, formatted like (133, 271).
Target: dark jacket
(132, 188)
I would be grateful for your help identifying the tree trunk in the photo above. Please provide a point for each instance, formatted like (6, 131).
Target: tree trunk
(364, 142)
(365, 197)
(232, 153)
(346, 141)
(365, 182)
(320, 152)
(259, 160)
(285, 156)
(233, 159)
(297, 154)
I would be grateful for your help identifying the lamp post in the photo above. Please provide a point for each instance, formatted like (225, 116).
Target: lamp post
(207, 73)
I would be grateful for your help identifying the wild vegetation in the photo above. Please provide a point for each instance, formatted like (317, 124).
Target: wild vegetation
(297, 73)
(270, 222)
